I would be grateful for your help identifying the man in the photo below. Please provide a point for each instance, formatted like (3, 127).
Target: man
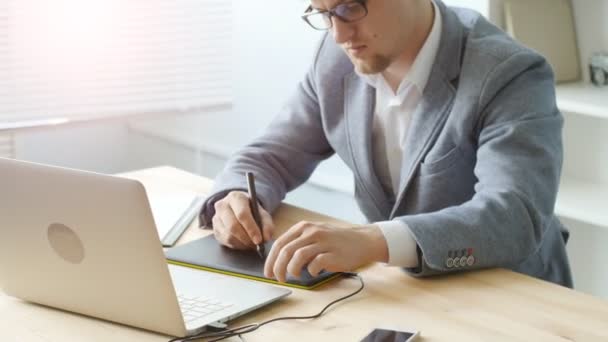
(452, 133)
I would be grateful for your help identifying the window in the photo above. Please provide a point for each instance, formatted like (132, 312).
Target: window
(97, 58)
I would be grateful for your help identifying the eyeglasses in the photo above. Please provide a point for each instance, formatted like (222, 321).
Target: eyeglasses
(347, 12)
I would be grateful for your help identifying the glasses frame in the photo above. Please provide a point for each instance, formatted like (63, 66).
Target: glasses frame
(332, 13)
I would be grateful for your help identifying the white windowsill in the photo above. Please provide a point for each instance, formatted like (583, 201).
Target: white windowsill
(583, 98)
(191, 134)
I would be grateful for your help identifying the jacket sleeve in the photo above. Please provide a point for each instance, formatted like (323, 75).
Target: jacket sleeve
(518, 165)
(284, 156)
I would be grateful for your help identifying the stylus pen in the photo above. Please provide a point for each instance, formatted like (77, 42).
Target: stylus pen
(253, 203)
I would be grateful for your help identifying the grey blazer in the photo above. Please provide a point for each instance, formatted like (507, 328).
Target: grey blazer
(483, 159)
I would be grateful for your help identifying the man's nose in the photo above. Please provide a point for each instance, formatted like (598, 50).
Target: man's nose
(342, 32)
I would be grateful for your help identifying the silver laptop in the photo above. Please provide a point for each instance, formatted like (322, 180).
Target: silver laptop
(86, 243)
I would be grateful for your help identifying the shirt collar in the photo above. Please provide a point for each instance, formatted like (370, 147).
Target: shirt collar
(420, 71)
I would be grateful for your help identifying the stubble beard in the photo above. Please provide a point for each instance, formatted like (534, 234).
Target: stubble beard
(373, 65)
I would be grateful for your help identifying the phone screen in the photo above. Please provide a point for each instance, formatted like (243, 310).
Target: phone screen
(384, 335)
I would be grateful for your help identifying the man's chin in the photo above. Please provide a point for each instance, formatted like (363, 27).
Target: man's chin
(360, 66)
(369, 67)
(364, 68)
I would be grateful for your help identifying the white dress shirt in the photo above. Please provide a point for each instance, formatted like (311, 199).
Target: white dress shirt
(392, 115)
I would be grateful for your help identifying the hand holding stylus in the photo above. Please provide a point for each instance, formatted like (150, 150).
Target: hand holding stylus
(234, 225)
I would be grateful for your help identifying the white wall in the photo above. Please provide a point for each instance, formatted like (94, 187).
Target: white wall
(272, 51)
(481, 6)
(271, 54)
(97, 146)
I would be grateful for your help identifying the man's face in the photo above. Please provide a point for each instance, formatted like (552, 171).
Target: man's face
(377, 40)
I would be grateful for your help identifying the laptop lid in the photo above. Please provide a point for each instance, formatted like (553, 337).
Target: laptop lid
(86, 243)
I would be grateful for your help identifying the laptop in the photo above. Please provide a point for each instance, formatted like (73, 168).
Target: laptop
(86, 243)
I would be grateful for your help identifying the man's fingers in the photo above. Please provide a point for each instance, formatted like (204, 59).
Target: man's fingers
(223, 236)
(233, 230)
(287, 253)
(239, 202)
(301, 258)
(268, 223)
(323, 261)
(291, 234)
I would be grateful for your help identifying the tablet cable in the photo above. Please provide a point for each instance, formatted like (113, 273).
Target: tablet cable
(245, 329)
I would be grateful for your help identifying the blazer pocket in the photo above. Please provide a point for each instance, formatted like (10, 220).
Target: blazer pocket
(436, 165)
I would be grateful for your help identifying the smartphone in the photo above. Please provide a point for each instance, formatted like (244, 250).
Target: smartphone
(388, 335)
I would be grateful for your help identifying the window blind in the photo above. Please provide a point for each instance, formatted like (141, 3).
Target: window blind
(98, 58)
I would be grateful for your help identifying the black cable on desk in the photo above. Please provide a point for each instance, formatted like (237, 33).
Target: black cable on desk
(245, 329)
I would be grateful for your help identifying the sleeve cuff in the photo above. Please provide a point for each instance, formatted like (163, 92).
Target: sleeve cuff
(401, 244)
(208, 210)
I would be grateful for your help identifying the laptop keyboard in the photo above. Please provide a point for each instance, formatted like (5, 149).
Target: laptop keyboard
(196, 307)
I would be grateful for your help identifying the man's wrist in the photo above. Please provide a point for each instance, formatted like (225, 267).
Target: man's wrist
(378, 248)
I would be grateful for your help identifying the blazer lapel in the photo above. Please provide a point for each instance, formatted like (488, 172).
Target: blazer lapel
(359, 104)
(437, 99)
(426, 124)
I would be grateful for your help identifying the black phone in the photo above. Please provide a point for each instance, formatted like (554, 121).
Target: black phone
(388, 335)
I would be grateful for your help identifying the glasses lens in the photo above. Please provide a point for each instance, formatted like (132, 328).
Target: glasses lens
(350, 11)
(320, 21)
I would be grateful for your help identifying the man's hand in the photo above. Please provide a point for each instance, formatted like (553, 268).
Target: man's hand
(233, 223)
(321, 246)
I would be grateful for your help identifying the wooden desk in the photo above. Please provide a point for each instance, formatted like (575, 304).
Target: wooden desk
(491, 305)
